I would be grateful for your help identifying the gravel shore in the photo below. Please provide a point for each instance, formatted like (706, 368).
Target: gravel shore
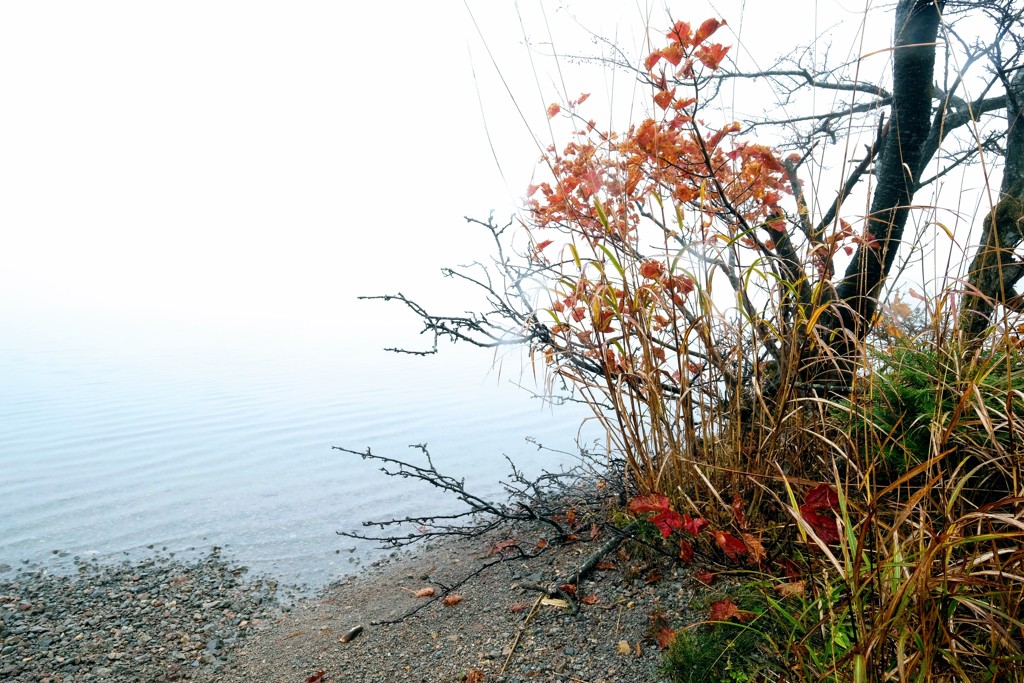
(162, 619)
(158, 619)
(500, 630)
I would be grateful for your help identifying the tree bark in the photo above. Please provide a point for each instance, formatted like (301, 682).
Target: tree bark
(994, 270)
(855, 298)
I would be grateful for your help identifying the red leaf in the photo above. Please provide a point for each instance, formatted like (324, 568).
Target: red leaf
(724, 610)
(653, 577)
(553, 110)
(318, 677)
(543, 245)
(821, 497)
(690, 525)
(739, 512)
(606, 565)
(589, 600)
(733, 547)
(685, 552)
(667, 522)
(651, 502)
(652, 59)
(824, 525)
(583, 98)
(569, 588)
(705, 577)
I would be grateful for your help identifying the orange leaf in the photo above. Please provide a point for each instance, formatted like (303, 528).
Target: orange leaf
(424, 592)
(665, 636)
(452, 599)
(589, 600)
(474, 676)
(664, 98)
(756, 552)
(543, 245)
(553, 110)
(724, 610)
(583, 98)
(606, 565)
(706, 29)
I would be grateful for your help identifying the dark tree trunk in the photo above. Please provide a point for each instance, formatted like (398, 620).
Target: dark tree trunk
(897, 171)
(995, 270)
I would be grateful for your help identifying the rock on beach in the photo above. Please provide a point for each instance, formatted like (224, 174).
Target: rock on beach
(158, 619)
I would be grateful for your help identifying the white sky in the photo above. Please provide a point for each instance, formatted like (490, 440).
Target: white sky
(259, 164)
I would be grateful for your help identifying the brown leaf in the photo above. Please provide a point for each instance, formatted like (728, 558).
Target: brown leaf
(517, 607)
(542, 543)
(501, 546)
(665, 636)
(589, 600)
(705, 577)
(653, 577)
(724, 610)
(568, 588)
(474, 676)
(606, 565)
(755, 551)
(318, 677)
(791, 589)
(424, 593)
(452, 599)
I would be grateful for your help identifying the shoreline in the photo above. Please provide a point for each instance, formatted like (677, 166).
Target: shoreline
(159, 618)
(168, 619)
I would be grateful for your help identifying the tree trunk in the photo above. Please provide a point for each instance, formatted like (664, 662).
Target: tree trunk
(841, 329)
(994, 270)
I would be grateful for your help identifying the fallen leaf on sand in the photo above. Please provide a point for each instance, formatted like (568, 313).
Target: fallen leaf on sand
(517, 607)
(453, 599)
(318, 677)
(623, 648)
(589, 600)
(424, 592)
(474, 676)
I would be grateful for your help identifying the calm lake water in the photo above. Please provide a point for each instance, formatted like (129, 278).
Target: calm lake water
(116, 440)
